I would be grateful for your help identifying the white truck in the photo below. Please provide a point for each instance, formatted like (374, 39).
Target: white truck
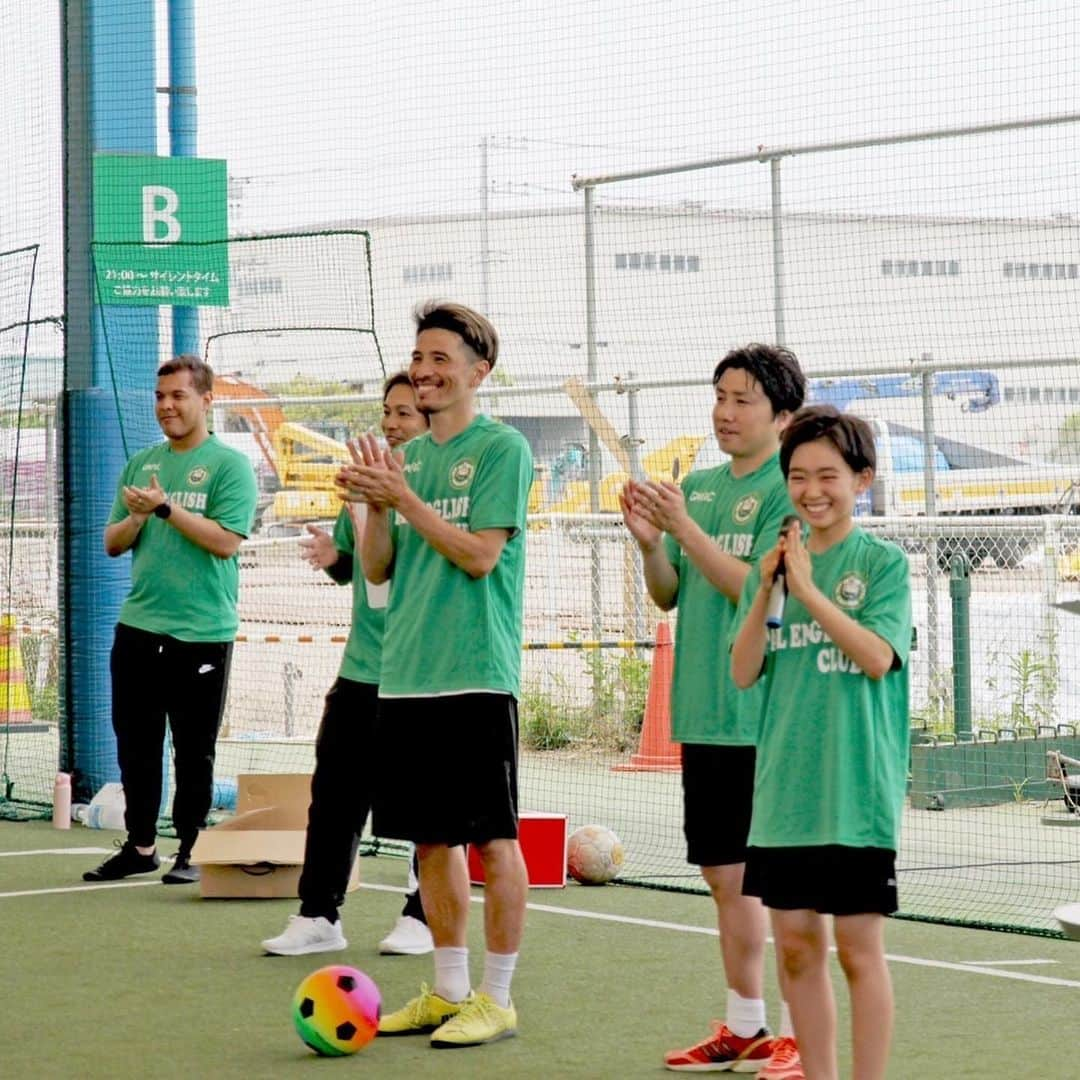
(968, 481)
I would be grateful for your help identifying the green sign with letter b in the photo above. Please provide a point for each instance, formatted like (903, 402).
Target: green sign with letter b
(161, 230)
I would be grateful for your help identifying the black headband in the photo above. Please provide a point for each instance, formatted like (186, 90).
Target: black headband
(441, 319)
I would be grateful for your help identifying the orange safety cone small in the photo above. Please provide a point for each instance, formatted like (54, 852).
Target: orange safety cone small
(14, 697)
(656, 751)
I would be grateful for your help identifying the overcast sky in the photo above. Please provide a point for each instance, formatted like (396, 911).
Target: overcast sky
(385, 113)
(334, 109)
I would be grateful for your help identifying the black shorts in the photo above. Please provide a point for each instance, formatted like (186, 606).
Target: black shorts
(718, 796)
(830, 879)
(448, 769)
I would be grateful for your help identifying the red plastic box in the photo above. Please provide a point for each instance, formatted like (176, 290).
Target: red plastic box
(543, 843)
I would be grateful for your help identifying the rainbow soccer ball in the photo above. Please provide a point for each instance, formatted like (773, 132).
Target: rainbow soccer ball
(594, 855)
(336, 1010)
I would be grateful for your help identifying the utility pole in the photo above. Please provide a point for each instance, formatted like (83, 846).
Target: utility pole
(485, 231)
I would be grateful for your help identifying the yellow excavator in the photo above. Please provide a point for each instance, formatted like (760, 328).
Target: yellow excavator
(670, 461)
(303, 461)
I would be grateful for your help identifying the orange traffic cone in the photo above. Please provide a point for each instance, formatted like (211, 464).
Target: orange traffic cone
(656, 751)
(14, 697)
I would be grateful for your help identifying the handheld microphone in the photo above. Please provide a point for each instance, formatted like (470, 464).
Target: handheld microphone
(774, 609)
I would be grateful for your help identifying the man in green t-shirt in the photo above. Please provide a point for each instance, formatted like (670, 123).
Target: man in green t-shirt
(182, 508)
(832, 769)
(697, 545)
(446, 526)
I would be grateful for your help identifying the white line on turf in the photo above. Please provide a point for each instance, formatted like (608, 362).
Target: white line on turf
(80, 888)
(60, 851)
(915, 961)
(1007, 963)
(982, 969)
(655, 924)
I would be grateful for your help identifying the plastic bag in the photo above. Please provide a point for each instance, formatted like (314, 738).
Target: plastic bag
(106, 808)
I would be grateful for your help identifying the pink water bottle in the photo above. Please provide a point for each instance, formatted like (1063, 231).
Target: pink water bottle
(61, 803)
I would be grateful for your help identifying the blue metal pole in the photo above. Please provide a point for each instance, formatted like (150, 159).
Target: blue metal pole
(123, 119)
(108, 401)
(183, 137)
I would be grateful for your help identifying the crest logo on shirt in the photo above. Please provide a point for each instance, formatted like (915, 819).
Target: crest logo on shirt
(198, 475)
(461, 472)
(850, 591)
(746, 508)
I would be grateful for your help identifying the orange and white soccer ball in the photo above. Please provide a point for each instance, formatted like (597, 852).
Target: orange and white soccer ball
(594, 855)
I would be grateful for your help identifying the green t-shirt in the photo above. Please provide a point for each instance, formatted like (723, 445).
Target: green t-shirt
(363, 650)
(743, 516)
(177, 587)
(833, 754)
(446, 632)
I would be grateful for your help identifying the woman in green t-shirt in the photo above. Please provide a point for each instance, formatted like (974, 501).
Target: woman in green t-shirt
(832, 756)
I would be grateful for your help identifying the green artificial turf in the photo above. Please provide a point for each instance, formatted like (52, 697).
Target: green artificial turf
(152, 981)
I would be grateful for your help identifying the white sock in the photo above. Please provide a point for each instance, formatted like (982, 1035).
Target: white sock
(413, 883)
(787, 1028)
(452, 973)
(498, 971)
(745, 1016)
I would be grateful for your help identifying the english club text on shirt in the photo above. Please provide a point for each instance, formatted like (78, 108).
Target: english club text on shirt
(830, 659)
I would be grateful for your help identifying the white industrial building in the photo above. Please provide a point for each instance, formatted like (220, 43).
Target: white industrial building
(675, 287)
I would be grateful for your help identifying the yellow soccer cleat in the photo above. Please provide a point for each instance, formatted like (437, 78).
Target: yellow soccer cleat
(481, 1020)
(421, 1015)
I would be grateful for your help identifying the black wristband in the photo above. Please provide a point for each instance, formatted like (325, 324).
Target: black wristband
(163, 510)
(342, 570)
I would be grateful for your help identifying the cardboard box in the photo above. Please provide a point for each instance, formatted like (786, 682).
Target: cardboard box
(259, 852)
(543, 843)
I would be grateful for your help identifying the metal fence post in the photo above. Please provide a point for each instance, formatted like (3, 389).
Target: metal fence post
(778, 251)
(930, 500)
(596, 592)
(1051, 549)
(632, 571)
(290, 674)
(960, 594)
(594, 442)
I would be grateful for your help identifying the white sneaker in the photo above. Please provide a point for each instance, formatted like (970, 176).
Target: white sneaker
(410, 937)
(304, 935)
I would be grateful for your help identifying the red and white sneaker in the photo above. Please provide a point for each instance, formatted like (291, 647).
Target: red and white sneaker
(784, 1063)
(723, 1051)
